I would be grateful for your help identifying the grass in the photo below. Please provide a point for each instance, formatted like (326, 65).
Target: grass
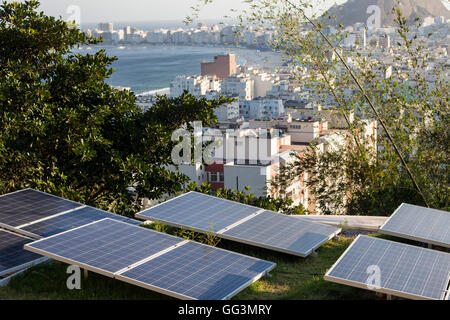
(293, 278)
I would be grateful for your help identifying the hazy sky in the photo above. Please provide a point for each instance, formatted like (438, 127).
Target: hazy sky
(147, 10)
(140, 10)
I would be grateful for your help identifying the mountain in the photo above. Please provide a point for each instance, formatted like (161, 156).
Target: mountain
(354, 11)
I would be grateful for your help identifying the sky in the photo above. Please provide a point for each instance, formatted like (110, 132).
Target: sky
(141, 10)
(94, 11)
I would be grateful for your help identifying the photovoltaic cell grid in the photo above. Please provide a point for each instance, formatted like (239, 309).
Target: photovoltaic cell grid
(154, 260)
(72, 220)
(241, 223)
(282, 233)
(12, 255)
(199, 211)
(106, 247)
(405, 270)
(196, 271)
(28, 205)
(420, 224)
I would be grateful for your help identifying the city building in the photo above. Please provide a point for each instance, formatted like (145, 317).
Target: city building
(238, 86)
(106, 27)
(198, 86)
(261, 108)
(222, 67)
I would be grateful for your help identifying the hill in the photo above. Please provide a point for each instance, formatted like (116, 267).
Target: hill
(354, 11)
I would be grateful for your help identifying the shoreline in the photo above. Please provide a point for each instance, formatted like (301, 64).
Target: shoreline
(154, 92)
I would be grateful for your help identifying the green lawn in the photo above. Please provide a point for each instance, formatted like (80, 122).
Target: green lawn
(293, 278)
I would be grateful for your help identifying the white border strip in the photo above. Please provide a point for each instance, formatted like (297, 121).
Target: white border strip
(30, 234)
(231, 226)
(18, 269)
(24, 265)
(240, 240)
(118, 274)
(361, 285)
(199, 193)
(17, 191)
(156, 255)
(50, 217)
(410, 236)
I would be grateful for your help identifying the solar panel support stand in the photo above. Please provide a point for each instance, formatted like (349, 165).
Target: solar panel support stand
(430, 246)
(314, 253)
(85, 273)
(389, 297)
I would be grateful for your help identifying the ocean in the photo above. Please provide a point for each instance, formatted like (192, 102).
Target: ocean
(146, 67)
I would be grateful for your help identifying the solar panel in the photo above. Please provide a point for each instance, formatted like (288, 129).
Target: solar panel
(404, 270)
(420, 224)
(282, 233)
(12, 255)
(153, 260)
(241, 223)
(70, 220)
(105, 247)
(25, 206)
(196, 271)
(200, 212)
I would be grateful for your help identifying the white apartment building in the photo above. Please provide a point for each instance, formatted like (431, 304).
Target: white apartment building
(240, 86)
(263, 83)
(261, 108)
(227, 111)
(196, 85)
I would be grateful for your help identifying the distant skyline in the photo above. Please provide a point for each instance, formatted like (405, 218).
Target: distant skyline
(117, 11)
(93, 11)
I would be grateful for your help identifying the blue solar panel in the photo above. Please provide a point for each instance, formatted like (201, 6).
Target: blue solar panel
(282, 233)
(242, 223)
(196, 271)
(404, 270)
(12, 255)
(29, 205)
(166, 264)
(106, 246)
(420, 224)
(199, 211)
(72, 220)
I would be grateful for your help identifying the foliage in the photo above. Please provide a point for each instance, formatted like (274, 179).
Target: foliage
(282, 205)
(409, 162)
(64, 130)
(293, 278)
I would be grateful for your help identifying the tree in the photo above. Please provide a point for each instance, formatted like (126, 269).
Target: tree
(281, 205)
(410, 106)
(64, 130)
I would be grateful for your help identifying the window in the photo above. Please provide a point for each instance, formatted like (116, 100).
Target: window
(221, 176)
(213, 177)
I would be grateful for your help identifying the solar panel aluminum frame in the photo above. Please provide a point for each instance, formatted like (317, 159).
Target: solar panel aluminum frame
(407, 236)
(184, 297)
(360, 285)
(66, 260)
(30, 234)
(24, 265)
(240, 240)
(38, 237)
(117, 275)
(278, 249)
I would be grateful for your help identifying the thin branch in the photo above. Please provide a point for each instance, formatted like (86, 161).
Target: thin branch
(397, 150)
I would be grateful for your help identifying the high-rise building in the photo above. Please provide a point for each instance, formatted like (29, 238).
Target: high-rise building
(106, 27)
(222, 67)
